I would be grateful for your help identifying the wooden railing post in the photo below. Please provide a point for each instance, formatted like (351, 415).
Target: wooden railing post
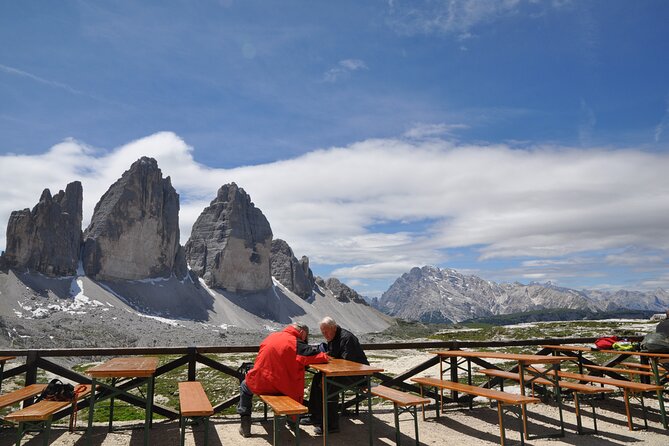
(192, 359)
(31, 364)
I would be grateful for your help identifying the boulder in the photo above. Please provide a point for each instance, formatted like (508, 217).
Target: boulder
(230, 243)
(48, 238)
(293, 274)
(134, 232)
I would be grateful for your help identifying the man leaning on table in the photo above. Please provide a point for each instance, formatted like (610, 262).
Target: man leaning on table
(278, 369)
(341, 344)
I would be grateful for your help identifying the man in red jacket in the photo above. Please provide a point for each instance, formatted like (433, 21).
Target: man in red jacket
(278, 369)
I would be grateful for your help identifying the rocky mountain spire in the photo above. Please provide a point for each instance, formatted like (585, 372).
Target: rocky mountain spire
(344, 293)
(134, 232)
(230, 243)
(47, 239)
(293, 274)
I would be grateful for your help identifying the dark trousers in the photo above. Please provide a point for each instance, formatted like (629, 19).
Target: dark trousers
(245, 400)
(316, 403)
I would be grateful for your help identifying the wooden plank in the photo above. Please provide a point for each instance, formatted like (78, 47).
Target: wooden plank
(342, 367)
(40, 411)
(11, 398)
(504, 397)
(617, 370)
(193, 401)
(284, 405)
(630, 385)
(525, 359)
(582, 388)
(140, 367)
(398, 397)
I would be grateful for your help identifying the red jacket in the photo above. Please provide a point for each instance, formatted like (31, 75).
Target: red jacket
(279, 367)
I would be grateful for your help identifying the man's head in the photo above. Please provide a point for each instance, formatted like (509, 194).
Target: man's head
(302, 329)
(328, 328)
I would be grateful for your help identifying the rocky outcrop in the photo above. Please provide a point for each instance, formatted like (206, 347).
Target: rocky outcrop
(48, 238)
(293, 274)
(343, 293)
(134, 232)
(230, 243)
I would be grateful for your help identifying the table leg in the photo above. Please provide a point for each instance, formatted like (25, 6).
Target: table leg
(369, 408)
(324, 421)
(111, 406)
(2, 371)
(660, 397)
(91, 407)
(149, 411)
(521, 369)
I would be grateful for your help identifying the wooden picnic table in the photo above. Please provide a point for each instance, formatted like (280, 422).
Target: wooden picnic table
(117, 369)
(340, 368)
(522, 361)
(653, 359)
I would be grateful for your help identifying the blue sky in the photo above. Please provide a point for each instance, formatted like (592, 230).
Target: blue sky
(516, 140)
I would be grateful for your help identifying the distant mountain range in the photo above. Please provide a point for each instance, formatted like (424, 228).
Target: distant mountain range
(431, 294)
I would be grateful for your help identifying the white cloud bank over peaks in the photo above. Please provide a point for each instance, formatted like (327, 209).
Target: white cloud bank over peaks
(378, 207)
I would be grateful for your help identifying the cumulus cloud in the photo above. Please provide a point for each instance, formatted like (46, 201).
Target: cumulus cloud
(343, 69)
(663, 124)
(378, 207)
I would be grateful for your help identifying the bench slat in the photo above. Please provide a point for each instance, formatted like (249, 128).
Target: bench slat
(19, 395)
(629, 385)
(504, 397)
(582, 388)
(617, 370)
(398, 397)
(193, 401)
(284, 405)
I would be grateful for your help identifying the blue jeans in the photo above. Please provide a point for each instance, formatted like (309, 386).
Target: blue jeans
(245, 400)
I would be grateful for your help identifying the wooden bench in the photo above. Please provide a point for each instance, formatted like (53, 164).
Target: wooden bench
(38, 416)
(502, 399)
(629, 388)
(194, 406)
(402, 402)
(629, 371)
(22, 394)
(576, 388)
(283, 407)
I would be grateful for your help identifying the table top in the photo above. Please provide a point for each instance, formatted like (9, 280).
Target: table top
(135, 367)
(342, 367)
(575, 348)
(4, 359)
(525, 359)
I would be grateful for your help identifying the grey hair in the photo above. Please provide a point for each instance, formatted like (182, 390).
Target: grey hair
(301, 327)
(328, 321)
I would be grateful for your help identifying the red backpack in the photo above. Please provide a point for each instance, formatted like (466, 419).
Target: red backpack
(606, 342)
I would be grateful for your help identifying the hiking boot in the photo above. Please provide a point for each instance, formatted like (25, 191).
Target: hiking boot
(318, 430)
(308, 421)
(245, 426)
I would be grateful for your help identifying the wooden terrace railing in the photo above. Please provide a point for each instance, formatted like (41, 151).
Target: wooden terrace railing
(36, 360)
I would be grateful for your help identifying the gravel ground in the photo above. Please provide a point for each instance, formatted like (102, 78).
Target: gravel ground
(459, 426)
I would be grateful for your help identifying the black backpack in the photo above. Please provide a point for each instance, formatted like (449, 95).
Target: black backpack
(56, 390)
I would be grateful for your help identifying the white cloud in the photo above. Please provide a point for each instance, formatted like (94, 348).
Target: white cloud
(420, 131)
(542, 202)
(343, 69)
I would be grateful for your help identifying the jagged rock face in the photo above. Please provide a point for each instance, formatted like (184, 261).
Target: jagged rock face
(343, 293)
(134, 232)
(430, 294)
(230, 244)
(48, 238)
(293, 274)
